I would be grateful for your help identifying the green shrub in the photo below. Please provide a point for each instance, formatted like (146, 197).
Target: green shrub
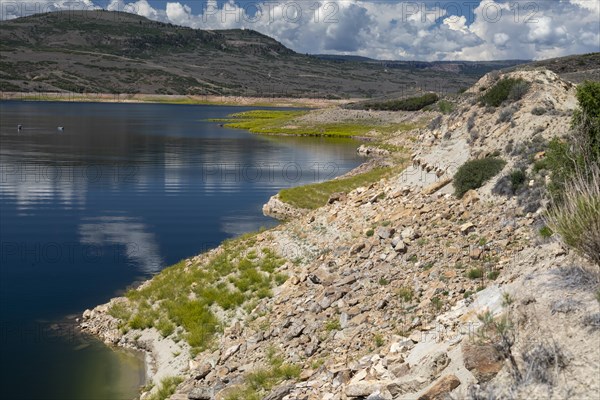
(582, 149)
(473, 174)
(475, 273)
(538, 111)
(410, 104)
(586, 120)
(517, 179)
(445, 106)
(437, 303)
(493, 275)
(370, 232)
(505, 89)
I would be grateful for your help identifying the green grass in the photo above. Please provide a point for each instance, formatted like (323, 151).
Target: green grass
(316, 195)
(437, 303)
(167, 388)
(405, 293)
(545, 232)
(182, 296)
(333, 325)
(260, 381)
(475, 273)
(275, 122)
(493, 275)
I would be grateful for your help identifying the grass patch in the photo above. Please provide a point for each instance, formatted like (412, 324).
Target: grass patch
(276, 122)
(493, 275)
(333, 325)
(475, 273)
(316, 195)
(473, 174)
(167, 387)
(262, 380)
(182, 296)
(405, 293)
(545, 232)
(445, 106)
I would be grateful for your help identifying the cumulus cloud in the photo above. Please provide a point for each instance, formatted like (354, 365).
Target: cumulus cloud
(402, 29)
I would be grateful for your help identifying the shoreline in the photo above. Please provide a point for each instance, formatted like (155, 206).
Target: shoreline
(165, 360)
(387, 287)
(279, 102)
(156, 351)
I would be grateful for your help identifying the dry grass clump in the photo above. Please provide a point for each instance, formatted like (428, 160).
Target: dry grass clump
(577, 218)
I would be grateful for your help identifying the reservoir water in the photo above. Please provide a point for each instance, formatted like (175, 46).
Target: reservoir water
(122, 192)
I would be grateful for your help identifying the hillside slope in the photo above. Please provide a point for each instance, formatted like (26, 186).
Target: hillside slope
(112, 52)
(388, 292)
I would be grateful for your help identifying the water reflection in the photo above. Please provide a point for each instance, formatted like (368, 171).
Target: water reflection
(30, 189)
(141, 247)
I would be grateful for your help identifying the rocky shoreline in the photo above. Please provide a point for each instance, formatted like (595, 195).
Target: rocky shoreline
(393, 290)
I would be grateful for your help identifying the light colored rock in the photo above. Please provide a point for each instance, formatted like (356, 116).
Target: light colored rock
(441, 388)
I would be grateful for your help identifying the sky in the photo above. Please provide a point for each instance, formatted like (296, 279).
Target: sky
(430, 30)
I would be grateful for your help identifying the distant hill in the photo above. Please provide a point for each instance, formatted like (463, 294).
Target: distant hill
(114, 52)
(576, 68)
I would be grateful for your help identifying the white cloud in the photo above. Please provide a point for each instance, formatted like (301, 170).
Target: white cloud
(400, 30)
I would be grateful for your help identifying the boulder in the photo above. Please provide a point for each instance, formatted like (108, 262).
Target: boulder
(279, 392)
(483, 361)
(441, 388)
(384, 232)
(201, 393)
(470, 197)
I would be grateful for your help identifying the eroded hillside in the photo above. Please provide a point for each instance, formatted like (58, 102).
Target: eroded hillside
(396, 289)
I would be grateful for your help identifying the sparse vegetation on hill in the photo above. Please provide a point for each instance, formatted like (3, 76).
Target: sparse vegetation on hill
(381, 271)
(182, 298)
(113, 52)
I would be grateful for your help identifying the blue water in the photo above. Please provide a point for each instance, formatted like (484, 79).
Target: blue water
(124, 191)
